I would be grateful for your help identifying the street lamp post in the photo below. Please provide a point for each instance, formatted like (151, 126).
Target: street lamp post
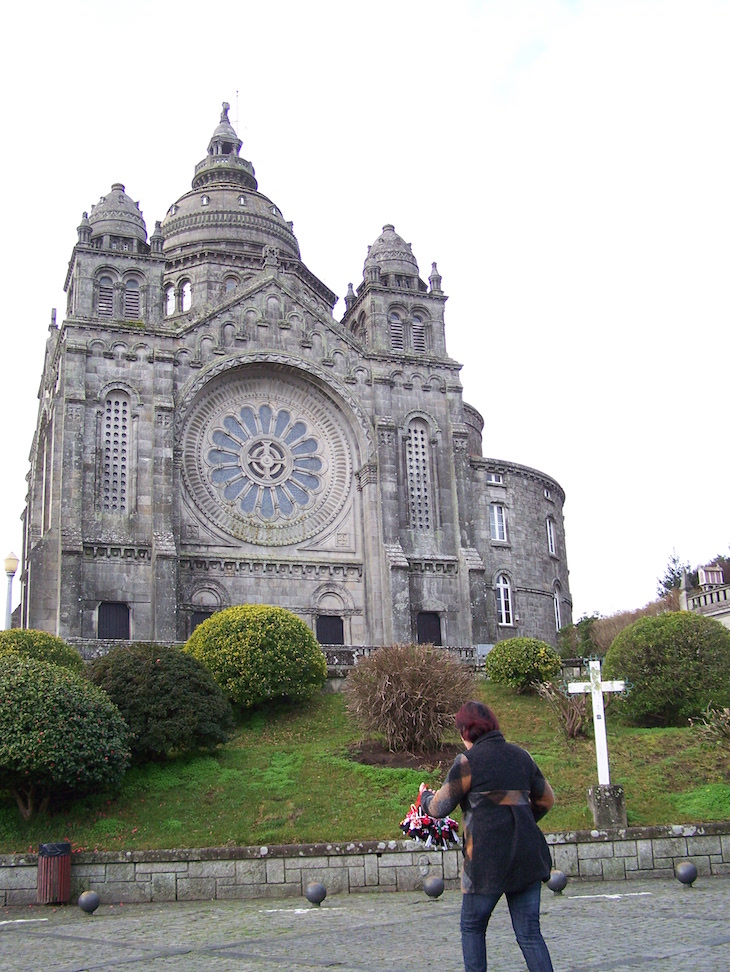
(11, 565)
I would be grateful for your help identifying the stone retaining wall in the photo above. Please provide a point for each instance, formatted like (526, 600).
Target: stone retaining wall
(394, 865)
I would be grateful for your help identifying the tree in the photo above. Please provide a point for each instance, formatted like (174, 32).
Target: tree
(59, 734)
(411, 693)
(29, 643)
(169, 700)
(673, 575)
(256, 653)
(676, 663)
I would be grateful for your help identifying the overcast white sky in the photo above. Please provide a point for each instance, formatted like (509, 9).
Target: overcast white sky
(567, 164)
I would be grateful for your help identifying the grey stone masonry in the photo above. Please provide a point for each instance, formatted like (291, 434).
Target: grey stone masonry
(236, 873)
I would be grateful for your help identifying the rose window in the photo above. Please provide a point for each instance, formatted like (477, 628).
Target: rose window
(267, 462)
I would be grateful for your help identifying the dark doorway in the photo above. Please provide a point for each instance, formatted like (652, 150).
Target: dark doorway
(428, 628)
(330, 630)
(113, 621)
(198, 617)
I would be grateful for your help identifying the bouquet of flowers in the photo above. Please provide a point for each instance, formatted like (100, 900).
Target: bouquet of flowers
(432, 831)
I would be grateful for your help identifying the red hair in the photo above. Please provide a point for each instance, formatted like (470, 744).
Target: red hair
(474, 719)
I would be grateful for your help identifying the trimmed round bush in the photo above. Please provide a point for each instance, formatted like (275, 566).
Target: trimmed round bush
(676, 663)
(59, 734)
(522, 663)
(411, 693)
(169, 700)
(29, 643)
(257, 653)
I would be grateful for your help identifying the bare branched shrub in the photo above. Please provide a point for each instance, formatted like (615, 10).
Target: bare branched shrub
(571, 710)
(411, 693)
(714, 726)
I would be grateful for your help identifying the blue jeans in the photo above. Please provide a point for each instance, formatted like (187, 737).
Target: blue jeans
(524, 909)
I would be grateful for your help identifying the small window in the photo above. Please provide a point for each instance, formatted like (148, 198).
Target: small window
(204, 200)
(547, 494)
(231, 284)
(241, 200)
(330, 630)
(396, 332)
(496, 478)
(552, 550)
(497, 522)
(504, 600)
(131, 300)
(556, 606)
(187, 295)
(113, 621)
(106, 297)
(169, 301)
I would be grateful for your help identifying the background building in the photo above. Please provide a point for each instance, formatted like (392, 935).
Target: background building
(209, 434)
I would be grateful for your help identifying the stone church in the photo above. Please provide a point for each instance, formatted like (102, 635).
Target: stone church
(210, 434)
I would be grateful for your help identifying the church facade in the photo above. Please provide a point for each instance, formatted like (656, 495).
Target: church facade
(209, 434)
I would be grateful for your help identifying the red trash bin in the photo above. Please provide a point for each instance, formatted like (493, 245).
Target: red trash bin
(54, 874)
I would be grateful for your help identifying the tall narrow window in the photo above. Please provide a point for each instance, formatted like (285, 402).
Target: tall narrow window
(131, 300)
(556, 606)
(106, 297)
(187, 295)
(497, 522)
(419, 478)
(169, 300)
(504, 600)
(396, 332)
(115, 438)
(419, 335)
(551, 537)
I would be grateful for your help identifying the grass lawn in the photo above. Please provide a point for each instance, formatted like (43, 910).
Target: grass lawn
(285, 777)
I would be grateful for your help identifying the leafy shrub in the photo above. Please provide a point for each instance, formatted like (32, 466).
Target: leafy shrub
(256, 653)
(677, 664)
(522, 662)
(59, 734)
(169, 700)
(409, 692)
(28, 643)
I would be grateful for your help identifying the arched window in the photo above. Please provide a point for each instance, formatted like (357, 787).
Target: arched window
(504, 599)
(131, 300)
(115, 444)
(113, 621)
(169, 300)
(106, 297)
(397, 342)
(186, 292)
(556, 606)
(418, 469)
(231, 284)
(419, 334)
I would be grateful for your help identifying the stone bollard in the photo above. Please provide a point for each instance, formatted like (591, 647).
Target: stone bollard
(608, 806)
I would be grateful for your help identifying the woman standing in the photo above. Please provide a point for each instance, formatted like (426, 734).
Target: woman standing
(502, 794)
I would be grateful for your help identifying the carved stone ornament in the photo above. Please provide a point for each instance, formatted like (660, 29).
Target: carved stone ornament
(265, 459)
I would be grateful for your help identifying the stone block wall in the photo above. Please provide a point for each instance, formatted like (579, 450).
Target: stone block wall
(225, 873)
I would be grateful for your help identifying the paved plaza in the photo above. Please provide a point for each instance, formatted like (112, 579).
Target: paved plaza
(621, 927)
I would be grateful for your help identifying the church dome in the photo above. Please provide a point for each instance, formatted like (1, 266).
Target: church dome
(391, 254)
(117, 214)
(224, 205)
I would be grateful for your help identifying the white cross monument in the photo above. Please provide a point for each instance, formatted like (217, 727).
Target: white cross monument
(596, 687)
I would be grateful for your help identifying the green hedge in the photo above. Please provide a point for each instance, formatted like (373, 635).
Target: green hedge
(29, 643)
(522, 662)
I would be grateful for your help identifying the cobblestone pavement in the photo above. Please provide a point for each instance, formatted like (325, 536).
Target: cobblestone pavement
(621, 927)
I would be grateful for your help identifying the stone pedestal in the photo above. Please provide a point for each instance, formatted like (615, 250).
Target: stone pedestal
(608, 805)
